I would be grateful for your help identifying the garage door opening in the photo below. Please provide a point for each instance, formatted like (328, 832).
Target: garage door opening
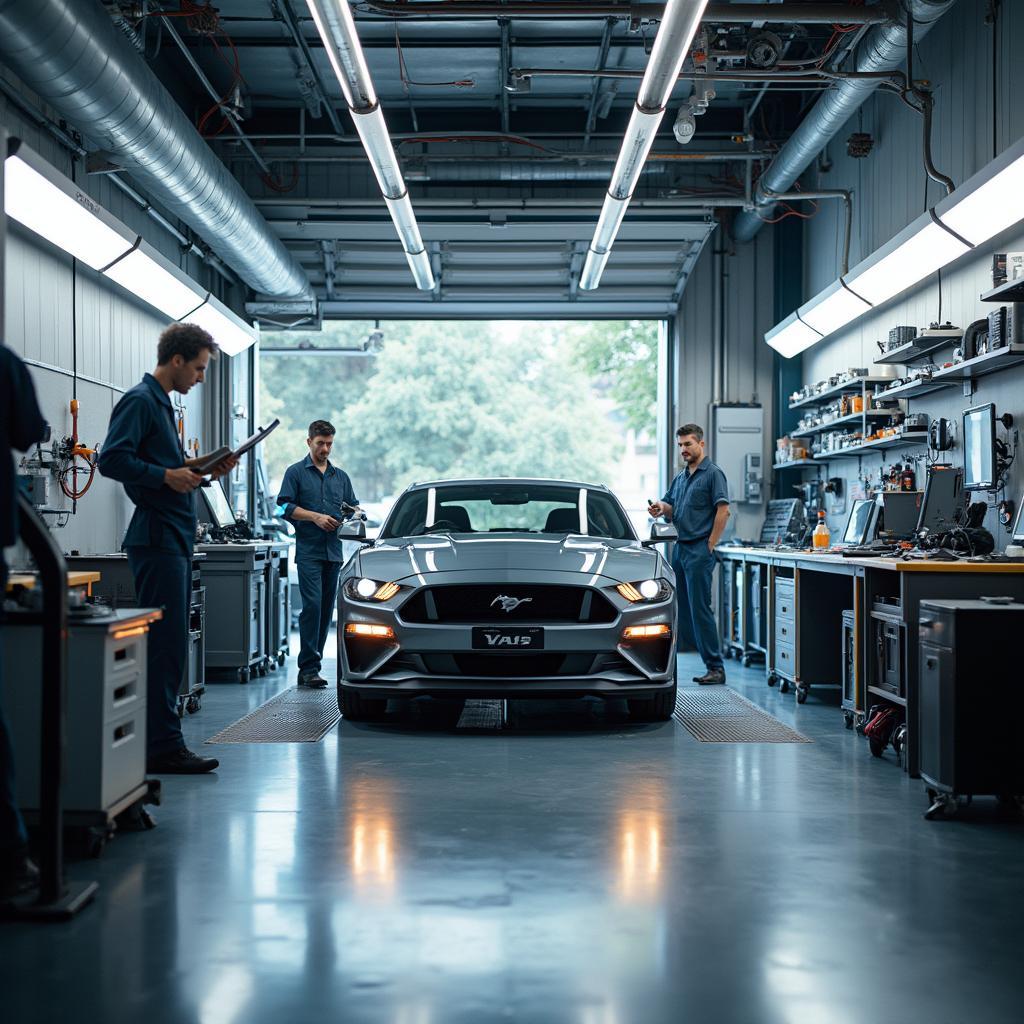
(446, 399)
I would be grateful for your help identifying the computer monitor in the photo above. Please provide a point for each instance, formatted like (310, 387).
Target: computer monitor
(1018, 526)
(901, 511)
(942, 499)
(861, 518)
(980, 448)
(218, 506)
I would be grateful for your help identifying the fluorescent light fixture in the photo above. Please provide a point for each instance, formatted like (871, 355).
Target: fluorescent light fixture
(373, 133)
(833, 308)
(679, 23)
(154, 279)
(337, 28)
(636, 144)
(232, 334)
(791, 337)
(988, 202)
(593, 268)
(50, 204)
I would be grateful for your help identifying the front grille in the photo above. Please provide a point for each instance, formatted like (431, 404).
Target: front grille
(478, 605)
(509, 666)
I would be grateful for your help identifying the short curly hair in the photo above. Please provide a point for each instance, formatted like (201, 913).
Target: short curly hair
(185, 340)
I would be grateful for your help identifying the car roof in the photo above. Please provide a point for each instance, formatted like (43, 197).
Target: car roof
(517, 480)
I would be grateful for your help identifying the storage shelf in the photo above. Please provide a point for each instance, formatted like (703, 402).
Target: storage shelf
(913, 390)
(879, 692)
(853, 417)
(880, 445)
(1010, 291)
(980, 366)
(850, 387)
(794, 464)
(915, 349)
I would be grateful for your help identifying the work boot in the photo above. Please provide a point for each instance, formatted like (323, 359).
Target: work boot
(712, 676)
(18, 873)
(315, 681)
(181, 762)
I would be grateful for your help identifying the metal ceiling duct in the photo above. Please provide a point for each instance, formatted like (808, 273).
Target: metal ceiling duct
(515, 171)
(72, 55)
(884, 48)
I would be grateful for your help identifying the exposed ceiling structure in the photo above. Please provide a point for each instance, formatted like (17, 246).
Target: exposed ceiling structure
(507, 120)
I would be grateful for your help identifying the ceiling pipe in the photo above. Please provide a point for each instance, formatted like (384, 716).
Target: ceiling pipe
(72, 56)
(723, 13)
(884, 49)
(670, 48)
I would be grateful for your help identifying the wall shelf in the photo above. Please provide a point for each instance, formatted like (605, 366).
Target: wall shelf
(794, 464)
(849, 387)
(915, 349)
(1010, 291)
(915, 389)
(853, 417)
(916, 439)
(980, 366)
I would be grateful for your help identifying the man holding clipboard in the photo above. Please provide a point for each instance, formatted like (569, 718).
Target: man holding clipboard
(143, 452)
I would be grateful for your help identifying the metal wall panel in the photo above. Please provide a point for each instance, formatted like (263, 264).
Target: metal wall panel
(976, 116)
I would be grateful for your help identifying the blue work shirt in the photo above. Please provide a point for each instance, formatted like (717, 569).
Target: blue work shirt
(21, 425)
(304, 486)
(695, 497)
(142, 441)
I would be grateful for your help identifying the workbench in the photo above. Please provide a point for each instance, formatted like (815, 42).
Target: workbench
(802, 602)
(28, 580)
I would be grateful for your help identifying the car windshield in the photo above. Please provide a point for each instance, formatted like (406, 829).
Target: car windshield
(508, 508)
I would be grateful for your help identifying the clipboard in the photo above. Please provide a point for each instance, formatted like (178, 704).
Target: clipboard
(205, 463)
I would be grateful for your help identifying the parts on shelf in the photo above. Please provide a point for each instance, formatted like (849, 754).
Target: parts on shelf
(851, 377)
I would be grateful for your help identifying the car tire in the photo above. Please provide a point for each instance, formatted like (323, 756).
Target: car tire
(357, 708)
(654, 709)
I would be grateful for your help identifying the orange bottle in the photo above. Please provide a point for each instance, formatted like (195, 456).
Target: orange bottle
(821, 538)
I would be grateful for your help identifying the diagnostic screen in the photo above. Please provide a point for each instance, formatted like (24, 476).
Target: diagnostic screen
(218, 505)
(860, 516)
(941, 500)
(901, 511)
(979, 454)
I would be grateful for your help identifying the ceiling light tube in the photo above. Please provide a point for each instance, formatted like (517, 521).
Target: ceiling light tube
(676, 30)
(419, 264)
(373, 133)
(608, 223)
(593, 268)
(232, 334)
(337, 28)
(153, 278)
(792, 336)
(832, 309)
(988, 202)
(38, 196)
(405, 223)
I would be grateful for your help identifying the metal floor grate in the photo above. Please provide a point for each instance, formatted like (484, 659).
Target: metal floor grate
(294, 716)
(482, 714)
(722, 716)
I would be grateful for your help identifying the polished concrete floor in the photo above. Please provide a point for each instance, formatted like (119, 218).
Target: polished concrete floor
(571, 868)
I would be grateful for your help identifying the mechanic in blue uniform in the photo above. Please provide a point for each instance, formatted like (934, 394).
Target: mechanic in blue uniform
(21, 425)
(311, 494)
(698, 503)
(143, 452)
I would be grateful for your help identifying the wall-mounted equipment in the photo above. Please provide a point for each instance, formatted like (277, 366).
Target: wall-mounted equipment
(737, 432)
(986, 457)
(753, 477)
(940, 435)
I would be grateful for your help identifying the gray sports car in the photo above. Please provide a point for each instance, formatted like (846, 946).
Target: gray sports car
(507, 588)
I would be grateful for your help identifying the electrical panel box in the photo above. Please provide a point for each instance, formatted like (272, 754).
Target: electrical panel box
(737, 446)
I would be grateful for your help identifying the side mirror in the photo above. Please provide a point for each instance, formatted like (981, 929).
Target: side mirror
(662, 533)
(354, 529)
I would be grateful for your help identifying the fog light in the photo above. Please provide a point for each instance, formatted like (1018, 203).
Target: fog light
(646, 632)
(366, 629)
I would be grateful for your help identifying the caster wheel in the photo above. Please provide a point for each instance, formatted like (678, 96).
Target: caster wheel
(848, 719)
(745, 661)
(280, 660)
(261, 669)
(181, 709)
(801, 694)
(772, 679)
(877, 746)
(192, 705)
(243, 675)
(859, 721)
(784, 686)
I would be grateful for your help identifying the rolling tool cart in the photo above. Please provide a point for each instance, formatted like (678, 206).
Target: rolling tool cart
(278, 605)
(971, 701)
(849, 677)
(235, 578)
(783, 669)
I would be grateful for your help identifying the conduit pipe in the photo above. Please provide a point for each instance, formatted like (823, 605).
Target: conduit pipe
(337, 28)
(71, 54)
(671, 45)
(884, 49)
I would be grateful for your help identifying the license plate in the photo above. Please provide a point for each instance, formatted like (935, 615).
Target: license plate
(505, 638)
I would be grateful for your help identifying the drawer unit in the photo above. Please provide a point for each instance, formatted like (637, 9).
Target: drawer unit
(849, 677)
(785, 632)
(888, 644)
(785, 600)
(785, 661)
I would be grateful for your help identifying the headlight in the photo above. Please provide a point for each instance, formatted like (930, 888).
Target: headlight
(647, 590)
(365, 589)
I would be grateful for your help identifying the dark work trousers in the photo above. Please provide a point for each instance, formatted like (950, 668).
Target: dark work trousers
(163, 580)
(696, 564)
(12, 828)
(318, 587)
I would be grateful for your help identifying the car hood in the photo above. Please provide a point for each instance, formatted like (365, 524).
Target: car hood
(401, 558)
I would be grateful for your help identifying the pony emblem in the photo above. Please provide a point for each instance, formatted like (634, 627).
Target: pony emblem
(509, 604)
